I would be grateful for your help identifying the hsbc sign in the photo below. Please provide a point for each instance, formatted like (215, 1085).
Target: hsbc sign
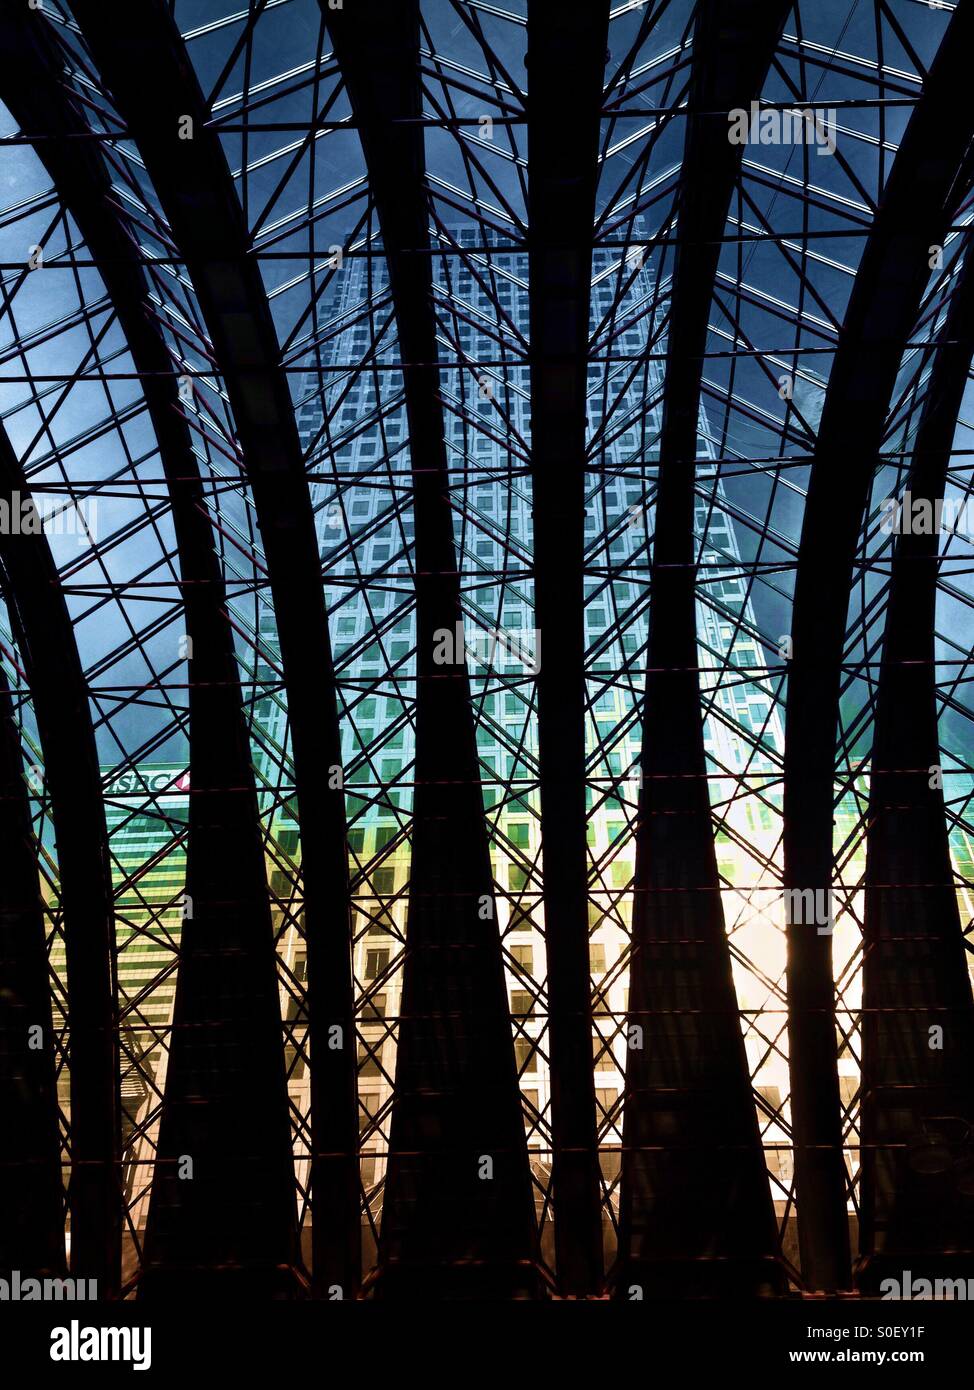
(136, 783)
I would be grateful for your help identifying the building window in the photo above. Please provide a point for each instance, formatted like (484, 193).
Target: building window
(369, 1059)
(606, 1097)
(296, 1011)
(368, 1105)
(288, 841)
(374, 1009)
(522, 1003)
(383, 882)
(524, 957)
(294, 1064)
(375, 963)
(531, 1108)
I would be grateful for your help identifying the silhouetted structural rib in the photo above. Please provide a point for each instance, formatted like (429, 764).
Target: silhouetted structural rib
(31, 1192)
(451, 1225)
(227, 969)
(566, 70)
(696, 1217)
(213, 1117)
(924, 187)
(916, 1205)
(45, 638)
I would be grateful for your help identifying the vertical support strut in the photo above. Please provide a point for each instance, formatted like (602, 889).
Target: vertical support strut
(696, 1217)
(44, 635)
(227, 970)
(450, 1226)
(563, 145)
(917, 1087)
(923, 190)
(151, 79)
(31, 1194)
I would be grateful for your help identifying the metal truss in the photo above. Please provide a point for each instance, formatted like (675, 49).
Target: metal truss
(31, 1200)
(42, 628)
(694, 1188)
(562, 139)
(206, 224)
(456, 1103)
(917, 1095)
(489, 458)
(919, 203)
(225, 881)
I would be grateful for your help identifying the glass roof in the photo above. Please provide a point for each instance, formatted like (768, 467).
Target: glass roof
(315, 222)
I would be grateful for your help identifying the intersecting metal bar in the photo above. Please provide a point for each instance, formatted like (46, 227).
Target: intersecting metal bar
(456, 1100)
(53, 670)
(917, 1087)
(566, 45)
(921, 195)
(695, 1211)
(150, 76)
(226, 1008)
(31, 1193)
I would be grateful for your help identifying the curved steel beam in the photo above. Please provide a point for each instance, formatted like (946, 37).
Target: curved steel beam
(917, 1096)
(226, 1018)
(151, 79)
(566, 49)
(695, 1208)
(31, 1192)
(456, 1097)
(45, 637)
(922, 192)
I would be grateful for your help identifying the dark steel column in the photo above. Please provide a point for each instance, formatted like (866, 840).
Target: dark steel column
(151, 79)
(44, 635)
(447, 1230)
(917, 1087)
(31, 1192)
(226, 1018)
(566, 73)
(696, 1217)
(921, 195)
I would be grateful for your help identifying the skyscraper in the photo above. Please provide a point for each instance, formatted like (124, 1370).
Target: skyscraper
(352, 425)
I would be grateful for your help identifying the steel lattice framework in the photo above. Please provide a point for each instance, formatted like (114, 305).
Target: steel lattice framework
(485, 766)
